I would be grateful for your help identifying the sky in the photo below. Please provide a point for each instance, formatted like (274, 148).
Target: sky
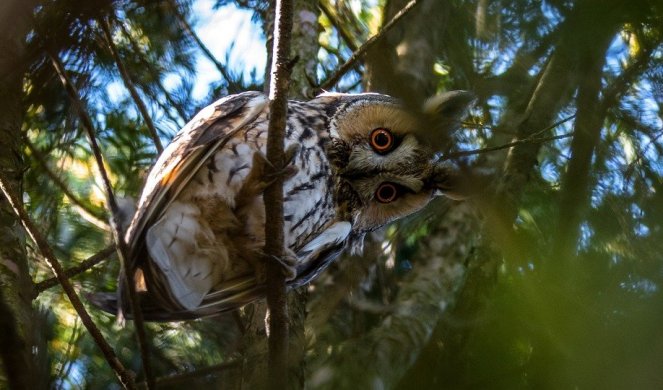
(219, 30)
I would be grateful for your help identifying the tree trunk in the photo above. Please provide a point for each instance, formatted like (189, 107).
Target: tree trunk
(16, 319)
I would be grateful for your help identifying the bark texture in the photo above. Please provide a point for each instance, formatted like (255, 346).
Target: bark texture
(304, 48)
(381, 358)
(15, 283)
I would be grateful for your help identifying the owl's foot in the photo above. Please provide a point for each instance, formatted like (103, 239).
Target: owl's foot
(287, 262)
(258, 178)
(288, 169)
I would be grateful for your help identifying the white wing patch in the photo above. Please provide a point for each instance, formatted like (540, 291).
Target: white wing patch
(179, 243)
(331, 236)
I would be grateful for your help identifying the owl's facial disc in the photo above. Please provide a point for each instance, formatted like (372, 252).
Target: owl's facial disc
(385, 177)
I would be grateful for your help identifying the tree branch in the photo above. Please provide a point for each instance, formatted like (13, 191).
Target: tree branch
(393, 346)
(533, 139)
(128, 83)
(273, 196)
(125, 377)
(155, 74)
(345, 35)
(359, 53)
(116, 224)
(80, 268)
(87, 212)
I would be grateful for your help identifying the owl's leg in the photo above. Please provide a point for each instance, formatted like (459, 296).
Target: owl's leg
(331, 239)
(245, 202)
(258, 179)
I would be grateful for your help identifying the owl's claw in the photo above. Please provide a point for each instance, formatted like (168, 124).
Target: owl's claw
(258, 179)
(288, 263)
(288, 169)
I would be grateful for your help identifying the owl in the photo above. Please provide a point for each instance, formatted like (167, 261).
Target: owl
(355, 163)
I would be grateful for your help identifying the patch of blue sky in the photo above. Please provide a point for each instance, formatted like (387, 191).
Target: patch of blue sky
(550, 173)
(617, 55)
(228, 32)
(586, 234)
(645, 286)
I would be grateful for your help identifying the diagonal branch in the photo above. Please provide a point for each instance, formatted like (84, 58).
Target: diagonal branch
(380, 358)
(118, 235)
(154, 73)
(359, 53)
(273, 196)
(345, 35)
(87, 212)
(128, 83)
(80, 268)
(125, 377)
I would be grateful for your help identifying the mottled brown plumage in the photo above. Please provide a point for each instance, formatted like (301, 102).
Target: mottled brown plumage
(357, 163)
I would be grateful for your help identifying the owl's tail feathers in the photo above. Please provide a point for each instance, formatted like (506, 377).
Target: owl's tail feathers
(226, 296)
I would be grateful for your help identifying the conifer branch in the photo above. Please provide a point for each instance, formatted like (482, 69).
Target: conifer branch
(125, 377)
(80, 268)
(128, 83)
(86, 211)
(114, 209)
(359, 53)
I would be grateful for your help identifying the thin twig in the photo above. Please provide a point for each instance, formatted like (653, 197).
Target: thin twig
(125, 377)
(80, 268)
(181, 379)
(87, 212)
(532, 139)
(273, 197)
(118, 235)
(528, 140)
(128, 83)
(154, 73)
(359, 53)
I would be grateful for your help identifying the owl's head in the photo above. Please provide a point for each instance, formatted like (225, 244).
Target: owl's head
(383, 155)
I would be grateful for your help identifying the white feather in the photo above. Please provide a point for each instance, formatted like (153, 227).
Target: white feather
(174, 243)
(331, 236)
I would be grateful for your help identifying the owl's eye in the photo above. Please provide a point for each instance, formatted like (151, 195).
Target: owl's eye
(386, 193)
(382, 140)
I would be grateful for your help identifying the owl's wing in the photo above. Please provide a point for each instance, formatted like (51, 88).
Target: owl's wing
(208, 131)
(192, 146)
(315, 256)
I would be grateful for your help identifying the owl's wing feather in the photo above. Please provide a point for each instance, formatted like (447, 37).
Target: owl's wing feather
(232, 294)
(180, 161)
(191, 147)
(318, 253)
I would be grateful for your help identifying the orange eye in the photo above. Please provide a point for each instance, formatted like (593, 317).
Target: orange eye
(386, 193)
(382, 140)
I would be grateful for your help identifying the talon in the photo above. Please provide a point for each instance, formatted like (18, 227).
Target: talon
(288, 262)
(291, 153)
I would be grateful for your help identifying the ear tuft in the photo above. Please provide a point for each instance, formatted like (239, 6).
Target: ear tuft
(449, 106)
